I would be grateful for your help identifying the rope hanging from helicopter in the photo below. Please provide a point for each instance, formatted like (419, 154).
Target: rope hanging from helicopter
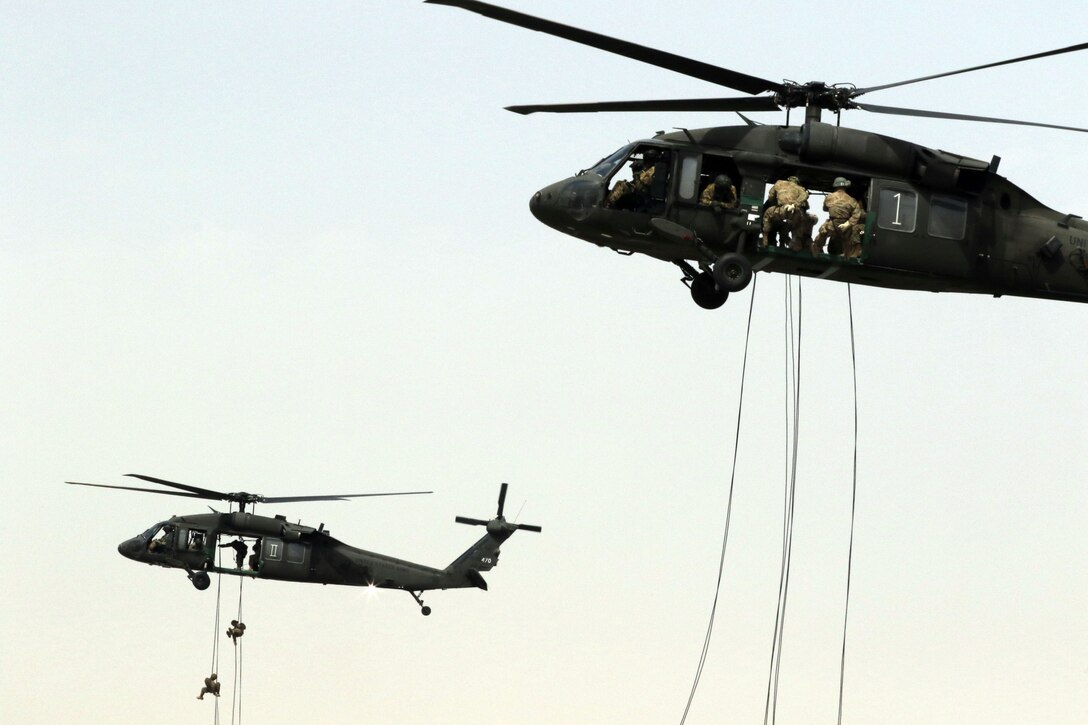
(728, 513)
(215, 633)
(236, 696)
(793, 384)
(792, 330)
(234, 633)
(853, 504)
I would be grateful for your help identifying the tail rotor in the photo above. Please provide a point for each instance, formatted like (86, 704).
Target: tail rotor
(499, 527)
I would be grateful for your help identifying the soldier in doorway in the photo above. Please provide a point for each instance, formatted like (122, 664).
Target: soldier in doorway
(240, 550)
(255, 557)
(719, 194)
(843, 226)
(787, 208)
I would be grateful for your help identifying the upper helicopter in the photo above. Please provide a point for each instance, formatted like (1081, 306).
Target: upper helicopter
(292, 552)
(724, 202)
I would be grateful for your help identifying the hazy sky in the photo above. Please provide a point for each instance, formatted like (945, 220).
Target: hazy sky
(286, 248)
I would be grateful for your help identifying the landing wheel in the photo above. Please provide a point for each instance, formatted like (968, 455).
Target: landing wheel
(423, 608)
(733, 272)
(706, 292)
(200, 580)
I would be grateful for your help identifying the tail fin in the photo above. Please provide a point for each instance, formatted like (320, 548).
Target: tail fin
(484, 554)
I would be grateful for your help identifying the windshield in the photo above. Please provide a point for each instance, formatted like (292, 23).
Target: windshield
(152, 531)
(608, 164)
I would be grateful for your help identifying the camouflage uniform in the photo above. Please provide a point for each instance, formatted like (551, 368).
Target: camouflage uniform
(621, 189)
(787, 205)
(235, 630)
(211, 686)
(841, 208)
(638, 185)
(728, 200)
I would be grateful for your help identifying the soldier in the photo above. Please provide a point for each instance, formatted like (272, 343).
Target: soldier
(626, 194)
(787, 206)
(719, 194)
(163, 542)
(235, 630)
(843, 224)
(211, 686)
(240, 549)
(650, 157)
(255, 557)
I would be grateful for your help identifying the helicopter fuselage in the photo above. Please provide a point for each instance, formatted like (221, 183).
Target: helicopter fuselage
(934, 221)
(278, 549)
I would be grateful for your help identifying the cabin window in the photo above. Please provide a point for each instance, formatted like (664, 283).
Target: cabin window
(296, 553)
(272, 550)
(195, 540)
(898, 210)
(947, 217)
(689, 178)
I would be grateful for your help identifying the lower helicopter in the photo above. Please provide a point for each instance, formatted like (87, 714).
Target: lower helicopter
(273, 548)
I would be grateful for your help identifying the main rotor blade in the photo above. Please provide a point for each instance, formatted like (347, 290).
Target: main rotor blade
(335, 497)
(758, 103)
(959, 117)
(502, 498)
(1059, 51)
(145, 490)
(204, 492)
(669, 61)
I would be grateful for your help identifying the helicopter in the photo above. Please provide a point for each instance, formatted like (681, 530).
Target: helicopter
(292, 552)
(933, 220)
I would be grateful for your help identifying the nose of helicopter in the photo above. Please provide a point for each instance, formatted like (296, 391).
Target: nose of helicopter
(130, 548)
(571, 199)
(542, 204)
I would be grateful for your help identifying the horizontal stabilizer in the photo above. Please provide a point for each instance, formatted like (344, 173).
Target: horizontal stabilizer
(476, 578)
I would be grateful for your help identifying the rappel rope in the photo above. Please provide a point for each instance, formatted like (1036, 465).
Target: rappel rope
(792, 425)
(236, 697)
(793, 382)
(728, 514)
(215, 632)
(853, 504)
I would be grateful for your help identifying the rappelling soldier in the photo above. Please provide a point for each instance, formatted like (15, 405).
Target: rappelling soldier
(240, 550)
(843, 226)
(235, 630)
(211, 686)
(787, 206)
(719, 194)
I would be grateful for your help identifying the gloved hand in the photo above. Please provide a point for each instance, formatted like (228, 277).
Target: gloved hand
(789, 208)
(844, 225)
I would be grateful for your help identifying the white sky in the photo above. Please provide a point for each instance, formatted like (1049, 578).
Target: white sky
(286, 248)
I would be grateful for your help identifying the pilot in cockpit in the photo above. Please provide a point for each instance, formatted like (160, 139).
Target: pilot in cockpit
(633, 195)
(164, 541)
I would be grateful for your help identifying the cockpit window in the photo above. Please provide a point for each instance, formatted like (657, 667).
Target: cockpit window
(152, 531)
(165, 539)
(608, 164)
